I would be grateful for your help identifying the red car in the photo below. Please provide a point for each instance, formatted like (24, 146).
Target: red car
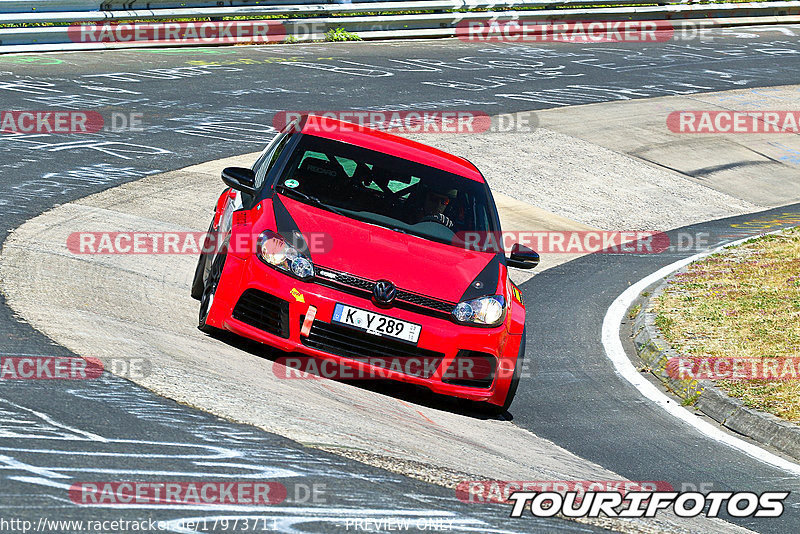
(347, 243)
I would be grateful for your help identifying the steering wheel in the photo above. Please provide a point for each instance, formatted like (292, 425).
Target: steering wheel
(442, 219)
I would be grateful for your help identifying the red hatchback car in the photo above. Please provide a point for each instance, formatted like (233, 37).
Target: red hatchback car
(346, 243)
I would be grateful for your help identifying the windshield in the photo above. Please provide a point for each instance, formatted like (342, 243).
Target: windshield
(387, 191)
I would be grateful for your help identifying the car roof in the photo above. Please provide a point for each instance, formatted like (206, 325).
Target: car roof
(380, 141)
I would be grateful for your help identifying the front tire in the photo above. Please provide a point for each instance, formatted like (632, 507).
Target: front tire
(202, 269)
(512, 389)
(494, 409)
(209, 290)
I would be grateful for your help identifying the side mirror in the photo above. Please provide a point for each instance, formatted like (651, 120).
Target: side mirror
(522, 257)
(240, 179)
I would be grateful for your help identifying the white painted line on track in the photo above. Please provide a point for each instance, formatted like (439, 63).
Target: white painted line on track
(612, 323)
(89, 436)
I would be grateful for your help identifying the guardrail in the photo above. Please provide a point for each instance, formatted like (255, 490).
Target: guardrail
(311, 21)
(275, 7)
(58, 6)
(50, 6)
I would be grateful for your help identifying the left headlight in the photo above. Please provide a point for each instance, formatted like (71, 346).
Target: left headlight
(273, 250)
(487, 311)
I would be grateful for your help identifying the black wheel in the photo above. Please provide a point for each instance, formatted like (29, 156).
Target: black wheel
(209, 290)
(494, 409)
(512, 389)
(202, 270)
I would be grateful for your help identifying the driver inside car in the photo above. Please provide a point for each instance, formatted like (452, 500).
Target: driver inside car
(434, 204)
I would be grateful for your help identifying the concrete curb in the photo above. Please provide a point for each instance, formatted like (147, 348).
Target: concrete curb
(654, 352)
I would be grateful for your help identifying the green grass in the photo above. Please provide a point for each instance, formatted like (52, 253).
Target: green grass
(340, 34)
(690, 400)
(664, 324)
(742, 303)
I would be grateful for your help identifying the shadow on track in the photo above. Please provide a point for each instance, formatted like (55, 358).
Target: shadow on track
(390, 388)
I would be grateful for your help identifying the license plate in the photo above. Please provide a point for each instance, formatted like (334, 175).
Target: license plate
(375, 323)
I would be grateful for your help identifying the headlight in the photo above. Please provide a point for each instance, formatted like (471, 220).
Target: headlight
(275, 251)
(488, 311)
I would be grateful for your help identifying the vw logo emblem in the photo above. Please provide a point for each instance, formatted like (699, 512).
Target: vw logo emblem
(384, 292)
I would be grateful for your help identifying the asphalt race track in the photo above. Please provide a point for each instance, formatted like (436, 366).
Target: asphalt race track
(205, 104)
(609, 421)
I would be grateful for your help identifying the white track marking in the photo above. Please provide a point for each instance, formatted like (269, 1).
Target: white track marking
(612, 343)
(47, 419)
(14, 464)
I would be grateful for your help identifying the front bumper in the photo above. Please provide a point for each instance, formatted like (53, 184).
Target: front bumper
(439, 338)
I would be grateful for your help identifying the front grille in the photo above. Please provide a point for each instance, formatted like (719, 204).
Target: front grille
(421, 300)
(380, 351)
(471, 368)
(263, 311)
(362, 287)
(354, 281)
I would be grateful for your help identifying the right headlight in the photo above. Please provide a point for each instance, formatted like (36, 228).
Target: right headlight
(273, 250)
(486, 311)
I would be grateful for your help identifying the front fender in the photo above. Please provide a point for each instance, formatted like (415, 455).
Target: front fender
(516, 323)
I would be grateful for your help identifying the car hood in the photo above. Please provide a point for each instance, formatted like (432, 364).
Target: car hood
(369, 251)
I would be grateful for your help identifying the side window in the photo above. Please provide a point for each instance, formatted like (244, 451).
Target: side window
(268, 159)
